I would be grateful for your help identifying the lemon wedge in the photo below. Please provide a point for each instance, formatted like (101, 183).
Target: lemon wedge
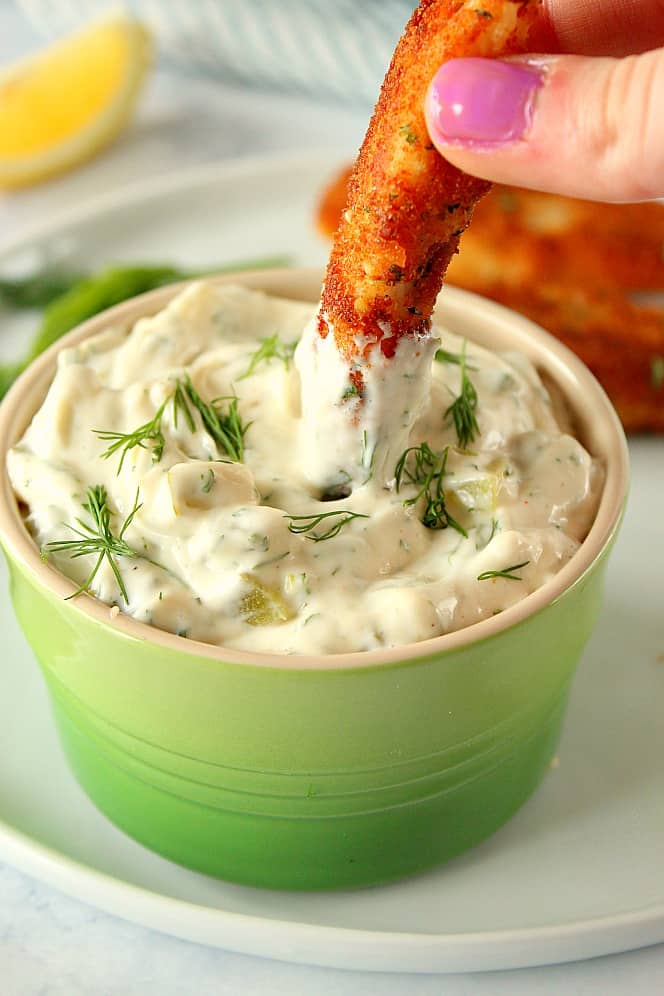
(60, 106)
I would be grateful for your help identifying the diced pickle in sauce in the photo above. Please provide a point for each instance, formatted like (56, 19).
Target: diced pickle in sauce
(263, 605)
(469, 500)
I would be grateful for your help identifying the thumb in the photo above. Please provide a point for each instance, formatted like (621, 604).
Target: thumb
(591, 128)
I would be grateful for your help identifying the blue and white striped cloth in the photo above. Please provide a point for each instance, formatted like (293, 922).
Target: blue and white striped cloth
(327, 48)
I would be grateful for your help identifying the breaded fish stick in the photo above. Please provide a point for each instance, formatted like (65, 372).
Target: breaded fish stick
(365, 360)
(407, 206)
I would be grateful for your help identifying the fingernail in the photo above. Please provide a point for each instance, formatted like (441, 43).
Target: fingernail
(475, 102)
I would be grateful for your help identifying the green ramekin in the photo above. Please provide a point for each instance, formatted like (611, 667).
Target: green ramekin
(316, 772)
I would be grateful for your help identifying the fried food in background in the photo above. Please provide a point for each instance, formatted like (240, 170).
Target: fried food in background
(573, 267)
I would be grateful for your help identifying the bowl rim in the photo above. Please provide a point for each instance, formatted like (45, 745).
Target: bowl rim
(581, 385)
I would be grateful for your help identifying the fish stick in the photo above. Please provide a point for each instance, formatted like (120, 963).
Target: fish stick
(407, 206)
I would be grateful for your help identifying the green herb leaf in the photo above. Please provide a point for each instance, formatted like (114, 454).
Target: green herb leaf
(463, 408)
(271, 348)
(97, 538)
(147, 436)
(351, 391)
(208, 481)
(38, 290)
(226, 428)
(181, 407)
(306, 524)
(657, 372)
(424, 468)
(507, 572)
(444, 356)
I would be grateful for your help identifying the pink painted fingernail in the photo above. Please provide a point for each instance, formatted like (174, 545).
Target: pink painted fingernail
(476, 102)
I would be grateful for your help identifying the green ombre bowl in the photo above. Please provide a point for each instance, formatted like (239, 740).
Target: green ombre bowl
(316, 772)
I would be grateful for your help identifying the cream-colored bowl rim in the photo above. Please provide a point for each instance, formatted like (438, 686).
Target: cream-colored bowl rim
(595, 422)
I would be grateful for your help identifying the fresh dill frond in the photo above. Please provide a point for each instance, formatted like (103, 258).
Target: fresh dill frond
(226, 428)
(507, 572)
(423, 468)
(463, 408)
(306, 524)
(181, 406)
(208, 481)
(445, 356)
(97, 538)
(147, 436)
(413, 467)
(271, 348)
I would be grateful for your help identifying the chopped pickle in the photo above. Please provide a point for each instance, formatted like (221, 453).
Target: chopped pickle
(263, 605)
(472, 495)
(478, 493)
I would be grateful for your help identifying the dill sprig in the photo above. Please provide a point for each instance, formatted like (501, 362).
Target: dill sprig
(507, 572)
(445, 356)
(226, 428)
(147, 436)
(97, 538)
(271, 348)
(464, 406)
(306, 524)
(423, 468)
(180, 406)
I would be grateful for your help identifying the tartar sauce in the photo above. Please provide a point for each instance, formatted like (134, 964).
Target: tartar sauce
(419, 537)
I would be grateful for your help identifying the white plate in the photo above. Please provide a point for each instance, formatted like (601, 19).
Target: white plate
(578, 872)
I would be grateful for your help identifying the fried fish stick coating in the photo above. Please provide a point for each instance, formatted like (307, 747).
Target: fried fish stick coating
(407, 206)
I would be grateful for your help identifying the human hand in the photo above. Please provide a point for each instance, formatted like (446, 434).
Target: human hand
(588, 122)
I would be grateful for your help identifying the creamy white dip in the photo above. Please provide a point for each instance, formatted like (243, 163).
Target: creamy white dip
(216, 558)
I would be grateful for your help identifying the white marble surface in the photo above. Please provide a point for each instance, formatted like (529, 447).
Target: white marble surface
(51, 945)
